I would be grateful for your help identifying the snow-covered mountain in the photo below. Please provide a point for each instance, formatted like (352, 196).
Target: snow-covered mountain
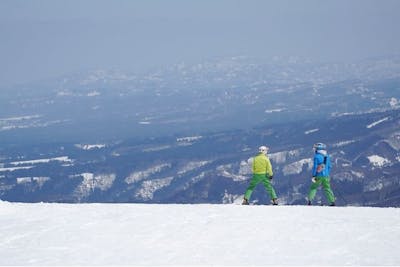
(214, 167)
(185, 133)
(201, 235)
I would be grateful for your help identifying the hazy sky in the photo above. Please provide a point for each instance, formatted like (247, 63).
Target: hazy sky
(42, 39)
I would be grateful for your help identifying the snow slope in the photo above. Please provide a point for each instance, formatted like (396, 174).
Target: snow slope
(143, 234)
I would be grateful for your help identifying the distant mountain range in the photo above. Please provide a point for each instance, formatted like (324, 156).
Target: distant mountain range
(224, 94)
(186, 133)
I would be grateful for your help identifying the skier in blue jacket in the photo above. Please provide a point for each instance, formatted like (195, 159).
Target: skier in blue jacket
(320, 174)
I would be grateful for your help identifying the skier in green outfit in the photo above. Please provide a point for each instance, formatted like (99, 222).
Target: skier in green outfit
(262, 172)
(320, 174)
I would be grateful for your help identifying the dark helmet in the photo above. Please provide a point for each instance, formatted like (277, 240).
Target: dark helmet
(319, 146)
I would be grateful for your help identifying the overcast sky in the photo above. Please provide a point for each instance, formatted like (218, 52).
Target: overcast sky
(42, 39)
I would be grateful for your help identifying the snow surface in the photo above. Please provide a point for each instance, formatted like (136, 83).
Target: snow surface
(189, 138)
(377, 122)
(274, 110)
(394, 102)
(297, 167)
(228, 172)
(11, 169)
(39, 180)
(91, 182)
(142, 234)
(378, 161)
(37, 161)
(148, 187)
(90, 147)
(141, 175)
(343, 143)
(21, 118)
(311, 131)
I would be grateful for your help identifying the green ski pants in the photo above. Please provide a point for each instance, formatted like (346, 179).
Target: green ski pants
(258, 178)
(325, 182)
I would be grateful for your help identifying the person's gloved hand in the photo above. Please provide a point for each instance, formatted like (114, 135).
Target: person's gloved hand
(313, 179)
(271, 177)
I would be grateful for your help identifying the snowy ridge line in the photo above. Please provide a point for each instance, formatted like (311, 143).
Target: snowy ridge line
(11, 169)
(189, 138)
(275, 110)
(28, 117)
(373, 110)
(31, 124)
(344, 143)
(225, 171)
(192, 165)
(40, 180)
(297, 167)
(141, 175)
(61, 159)
(311, 131)
(149, 187)
(90, 146)
(377, 122)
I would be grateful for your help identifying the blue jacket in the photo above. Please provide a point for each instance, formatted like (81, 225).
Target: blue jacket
(319, 161)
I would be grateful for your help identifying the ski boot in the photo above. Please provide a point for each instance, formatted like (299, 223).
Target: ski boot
(274, 201)
(309, 203)
(245, 202)
(332, 204)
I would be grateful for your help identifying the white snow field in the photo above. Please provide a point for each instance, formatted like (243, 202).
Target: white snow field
(186, 235)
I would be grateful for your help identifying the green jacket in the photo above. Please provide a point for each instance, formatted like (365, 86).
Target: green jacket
(262, 165)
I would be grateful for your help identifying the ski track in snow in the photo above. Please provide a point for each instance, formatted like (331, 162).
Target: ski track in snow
(140, 234)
